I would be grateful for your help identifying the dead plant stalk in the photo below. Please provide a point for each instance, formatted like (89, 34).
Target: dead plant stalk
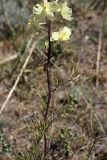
(98, 57)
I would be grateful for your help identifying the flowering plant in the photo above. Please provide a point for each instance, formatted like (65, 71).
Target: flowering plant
(46, 13)
(50, 10)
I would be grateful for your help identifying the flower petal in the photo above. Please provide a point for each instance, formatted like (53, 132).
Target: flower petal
(66, 12)
(62, 35)
(55, 36)
(37, 9)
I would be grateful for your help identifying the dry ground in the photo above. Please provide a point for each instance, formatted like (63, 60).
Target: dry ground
(80, 105)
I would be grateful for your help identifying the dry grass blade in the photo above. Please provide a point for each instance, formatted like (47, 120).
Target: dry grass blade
(15, 56)
(20, 74)
(93, 112)
(98, 56)
(10, 58)
(99, 4)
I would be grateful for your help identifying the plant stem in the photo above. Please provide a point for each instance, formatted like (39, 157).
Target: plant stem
(48, 72)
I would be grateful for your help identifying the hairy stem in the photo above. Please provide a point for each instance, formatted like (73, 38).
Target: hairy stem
(48, 73)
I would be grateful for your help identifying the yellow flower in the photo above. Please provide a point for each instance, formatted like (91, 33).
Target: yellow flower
(65, 11)
(38, 15)
(50, 8)
(62, 35)
(46, 9)
(37, 9)
(55, 36)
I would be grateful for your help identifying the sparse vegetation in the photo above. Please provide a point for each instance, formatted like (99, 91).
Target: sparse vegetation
(53, 80)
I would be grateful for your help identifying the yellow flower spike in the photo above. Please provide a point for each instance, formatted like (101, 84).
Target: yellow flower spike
(65, 11)
(62, 35)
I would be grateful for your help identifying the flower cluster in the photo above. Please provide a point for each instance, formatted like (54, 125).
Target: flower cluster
(50, 10)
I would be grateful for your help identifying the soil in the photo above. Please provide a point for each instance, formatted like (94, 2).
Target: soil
(85, 95)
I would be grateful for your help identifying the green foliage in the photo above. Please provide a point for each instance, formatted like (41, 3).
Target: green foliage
(60, 146)
(36, 130)
(4, 144)
(70, 107)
